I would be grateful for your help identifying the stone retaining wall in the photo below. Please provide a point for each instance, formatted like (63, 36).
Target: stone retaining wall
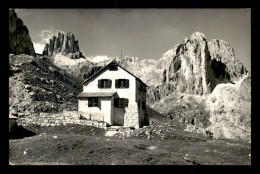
(57, 119)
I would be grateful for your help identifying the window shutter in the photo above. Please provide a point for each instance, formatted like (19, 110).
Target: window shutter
(96, 101)
(109, 83)
(116, 83)
(127, 83)
(99, 83)
(89, 102)
(125, 102)
(119, 102)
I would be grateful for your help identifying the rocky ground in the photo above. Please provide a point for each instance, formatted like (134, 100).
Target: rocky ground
(164, 142)
(225, 113)
(37, 85)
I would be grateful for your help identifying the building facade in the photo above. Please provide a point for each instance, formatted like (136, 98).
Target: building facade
(115, 96)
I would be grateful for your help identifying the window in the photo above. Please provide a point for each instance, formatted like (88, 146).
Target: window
(113, 67)
(93, 102)
(120, 102)
(104, 83)
(122, 83)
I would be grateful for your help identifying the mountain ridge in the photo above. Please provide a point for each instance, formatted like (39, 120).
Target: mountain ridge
(19, 38)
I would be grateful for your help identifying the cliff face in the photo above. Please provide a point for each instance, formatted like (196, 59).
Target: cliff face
(196, 66)
(230, 110)
(19, 38)
(211, 70)
(64, 44)
(223, 58)
(188, 68)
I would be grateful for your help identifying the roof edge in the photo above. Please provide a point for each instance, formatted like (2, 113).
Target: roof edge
(113, 61)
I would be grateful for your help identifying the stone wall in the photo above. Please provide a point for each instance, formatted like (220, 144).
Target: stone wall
(52, 119)
(131, 117)
(88, 116)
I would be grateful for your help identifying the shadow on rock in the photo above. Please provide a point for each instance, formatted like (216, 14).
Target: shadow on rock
(152, 113)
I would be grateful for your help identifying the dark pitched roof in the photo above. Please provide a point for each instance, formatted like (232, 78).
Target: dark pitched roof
(96, 94)
(103, 68)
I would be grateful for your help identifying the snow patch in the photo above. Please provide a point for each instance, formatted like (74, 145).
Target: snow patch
(99, 58)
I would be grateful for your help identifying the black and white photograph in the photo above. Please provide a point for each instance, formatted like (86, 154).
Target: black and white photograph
(129, 86)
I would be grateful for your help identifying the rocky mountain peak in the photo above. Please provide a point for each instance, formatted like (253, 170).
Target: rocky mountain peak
(64, 43)
(196, 36)
(223, 56)
(19, 38)
(188, 66)
(195, 66)
(59, 34)
(222, 48)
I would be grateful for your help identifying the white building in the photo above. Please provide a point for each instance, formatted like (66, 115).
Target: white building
(115, 96)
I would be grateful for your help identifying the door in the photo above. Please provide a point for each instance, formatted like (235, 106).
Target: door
(118, 116)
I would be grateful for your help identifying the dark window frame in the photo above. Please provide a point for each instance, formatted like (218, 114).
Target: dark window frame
(104, 83)
(92, 101)
(122, 83)
(113, 67)
(121, 102)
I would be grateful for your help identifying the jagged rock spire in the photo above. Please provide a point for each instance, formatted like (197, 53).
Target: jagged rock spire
(65, 44)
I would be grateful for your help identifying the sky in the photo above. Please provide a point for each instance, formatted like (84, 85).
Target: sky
(142, 33)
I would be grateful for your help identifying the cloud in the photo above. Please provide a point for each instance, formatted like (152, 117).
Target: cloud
(38, 47)
(45, 36)
(99, 58)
